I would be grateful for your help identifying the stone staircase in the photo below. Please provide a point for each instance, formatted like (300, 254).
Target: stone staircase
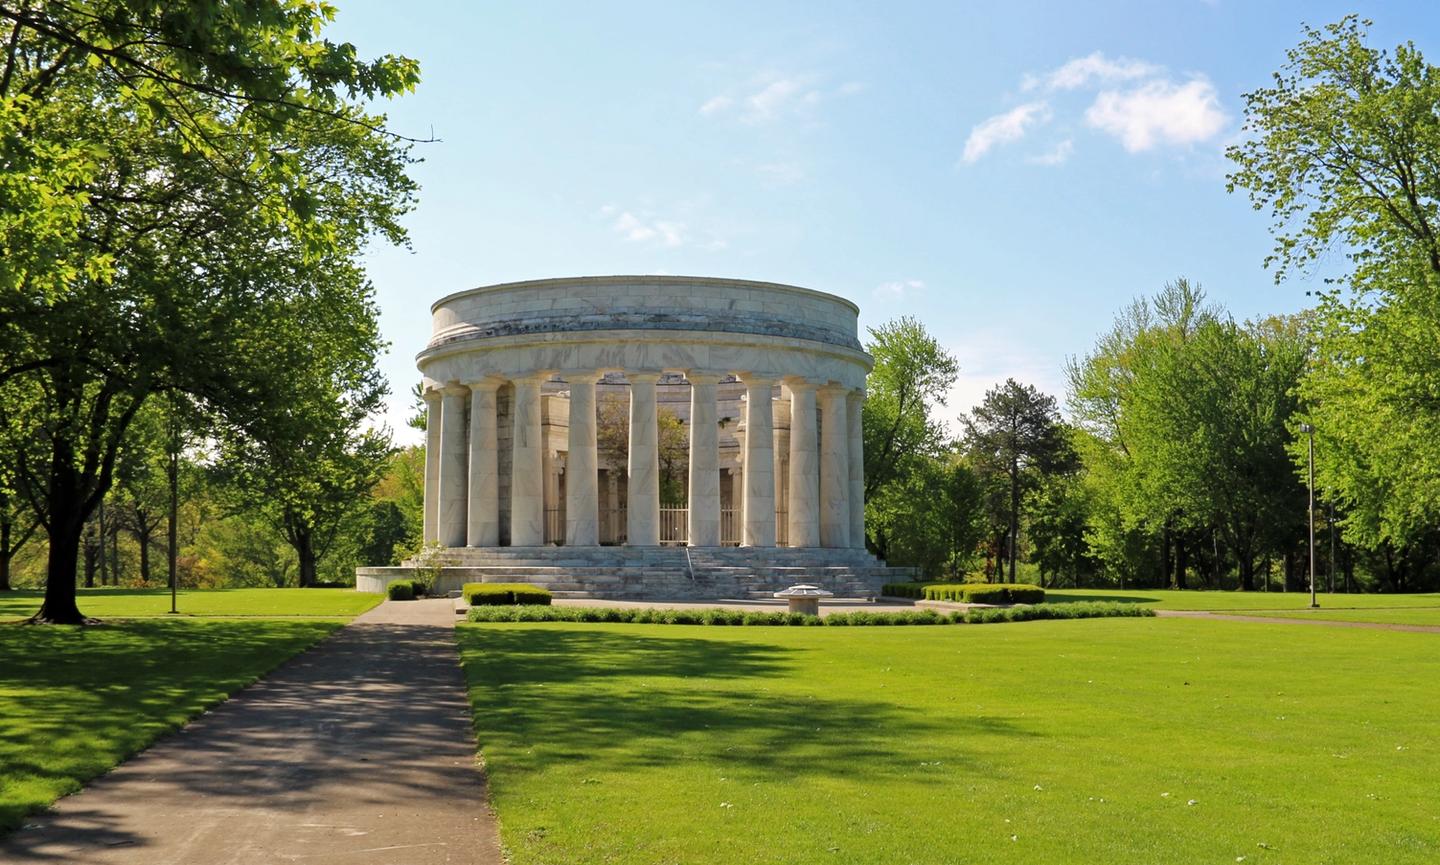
(654, 573)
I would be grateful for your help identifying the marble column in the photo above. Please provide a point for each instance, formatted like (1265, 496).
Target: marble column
(483, 523)
(853, 403)
(612, 505)
(454, 471)
(804, 505)
(642, 515)
(582, 497)
(432, 466)
(758, 507)
(527, 479)
(704, 504)
(780, 425)
(834, 468)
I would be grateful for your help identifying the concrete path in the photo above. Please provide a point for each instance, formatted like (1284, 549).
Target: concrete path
(1289, 620)
(359, 751)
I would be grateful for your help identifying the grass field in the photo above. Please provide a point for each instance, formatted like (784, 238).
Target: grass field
(1168, 599)
(1102, 741)
(136, 603)
(74, 702)
(1401, 616)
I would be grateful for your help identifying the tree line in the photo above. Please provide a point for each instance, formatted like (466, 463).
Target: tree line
(188, 341)
(1182, 458)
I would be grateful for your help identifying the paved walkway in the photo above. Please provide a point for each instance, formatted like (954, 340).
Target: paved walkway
(1295, 620)
(359, 751)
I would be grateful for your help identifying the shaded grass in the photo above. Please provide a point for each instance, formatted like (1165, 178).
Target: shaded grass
(132, 603)
(1051, 742)
(1169, 599)
(75, 702)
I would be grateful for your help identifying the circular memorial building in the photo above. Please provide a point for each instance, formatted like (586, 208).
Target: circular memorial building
(645, 436)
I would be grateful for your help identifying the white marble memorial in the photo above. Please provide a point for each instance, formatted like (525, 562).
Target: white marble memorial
(767, 380)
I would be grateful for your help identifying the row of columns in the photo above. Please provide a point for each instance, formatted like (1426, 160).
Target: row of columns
(826, 466)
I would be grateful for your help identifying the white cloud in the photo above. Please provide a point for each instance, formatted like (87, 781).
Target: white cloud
(1159, 112)
(716, 104)
(770, 97)
(637, 230)
(1003, 129)
(898, 288)
(782, 173)
(1058, 155)
(1095, 67)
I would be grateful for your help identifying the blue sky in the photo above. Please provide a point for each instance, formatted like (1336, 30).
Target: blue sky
(1012, 174)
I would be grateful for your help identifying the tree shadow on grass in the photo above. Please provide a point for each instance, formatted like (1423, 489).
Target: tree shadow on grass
(546, 696)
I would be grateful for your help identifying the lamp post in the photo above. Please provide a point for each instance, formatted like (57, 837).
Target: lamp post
(1309, 430)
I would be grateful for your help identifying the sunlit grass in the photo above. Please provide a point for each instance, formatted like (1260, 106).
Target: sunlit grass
(1406, 616)
(131, 603)
(74, 702)
(1168, 599)
(1102, 741)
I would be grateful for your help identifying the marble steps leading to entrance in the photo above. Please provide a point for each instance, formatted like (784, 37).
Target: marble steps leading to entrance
(654, 573)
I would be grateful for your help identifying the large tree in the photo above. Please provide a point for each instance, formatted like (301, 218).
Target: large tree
(1344, 152)
(183, 158)
(1015, 435)
(903, 437)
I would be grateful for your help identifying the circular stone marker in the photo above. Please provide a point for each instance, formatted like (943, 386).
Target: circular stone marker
(804, 598)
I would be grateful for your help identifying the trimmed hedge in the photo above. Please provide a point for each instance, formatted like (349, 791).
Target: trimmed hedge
(715, 616)
(504, 594)
(403, 590)
(968, 593)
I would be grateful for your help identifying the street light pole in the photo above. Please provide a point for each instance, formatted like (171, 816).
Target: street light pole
(1309, 430)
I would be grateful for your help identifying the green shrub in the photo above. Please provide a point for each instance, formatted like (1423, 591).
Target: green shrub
(971, 593)
(713, 616)
(505, 594)
(401, 590)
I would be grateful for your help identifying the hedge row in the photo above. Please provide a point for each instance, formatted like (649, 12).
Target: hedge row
(504, 594)
(713, 616)
(968, 593)
(406, 590)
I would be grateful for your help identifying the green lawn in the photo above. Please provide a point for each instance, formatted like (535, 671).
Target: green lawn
(1100, 741)
(74, 702)
(133, 603)
(1168, 599)
(1407, 616)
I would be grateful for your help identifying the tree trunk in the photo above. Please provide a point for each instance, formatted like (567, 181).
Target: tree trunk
(90, 564)
(6, 554)
(1247, 569)
(143, 538)
(1165, 572)
(60, 607)
(1182, 560)
(305, 551)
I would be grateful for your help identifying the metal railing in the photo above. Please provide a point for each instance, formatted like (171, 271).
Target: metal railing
(674, 526)
(730, 530)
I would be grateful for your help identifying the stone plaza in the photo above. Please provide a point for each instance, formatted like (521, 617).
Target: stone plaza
(522, 381)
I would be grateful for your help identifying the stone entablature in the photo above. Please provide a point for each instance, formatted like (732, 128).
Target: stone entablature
(767, 379)
(703, 304)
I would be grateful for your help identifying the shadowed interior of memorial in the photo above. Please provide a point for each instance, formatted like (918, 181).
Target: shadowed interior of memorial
(588, 428)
